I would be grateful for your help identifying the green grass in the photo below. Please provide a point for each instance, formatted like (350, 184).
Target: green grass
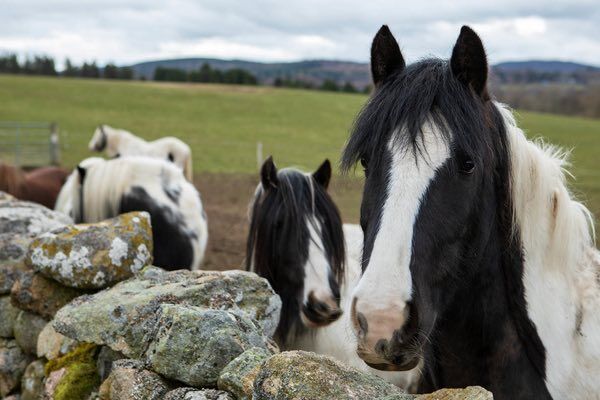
(222, 124)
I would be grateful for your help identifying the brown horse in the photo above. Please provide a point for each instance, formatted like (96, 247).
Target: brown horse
(40, 185)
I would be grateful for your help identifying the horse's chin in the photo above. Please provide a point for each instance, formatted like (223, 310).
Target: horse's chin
(387, 366)
(398, 360)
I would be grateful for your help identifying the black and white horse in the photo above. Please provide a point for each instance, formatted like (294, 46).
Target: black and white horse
(297, 242)
(476, 257)
(99, 189)
(119, 143)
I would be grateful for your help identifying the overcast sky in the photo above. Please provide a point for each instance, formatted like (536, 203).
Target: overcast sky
(128, 31)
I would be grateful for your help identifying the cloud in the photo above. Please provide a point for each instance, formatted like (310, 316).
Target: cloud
(128, 31)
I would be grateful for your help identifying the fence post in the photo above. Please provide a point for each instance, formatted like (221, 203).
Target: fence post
(259, 154)
(54, 144)
(18, 146)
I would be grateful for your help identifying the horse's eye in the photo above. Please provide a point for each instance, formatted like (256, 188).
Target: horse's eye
(467, 166)
(364, 163)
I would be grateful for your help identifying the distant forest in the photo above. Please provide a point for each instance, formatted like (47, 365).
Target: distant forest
(569, 92)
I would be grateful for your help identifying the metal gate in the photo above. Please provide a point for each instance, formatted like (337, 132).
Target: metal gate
(29, 144)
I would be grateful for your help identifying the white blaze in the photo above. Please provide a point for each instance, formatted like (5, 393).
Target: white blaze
(387, 276)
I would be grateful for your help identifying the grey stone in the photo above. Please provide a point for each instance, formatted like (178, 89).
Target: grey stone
(94, 256)
(106, 358)
(20, 223)
(130, 381)
(51, 344)
(27, 329)
(303, 375)
(13, 362)
(8, 316)
(32, 382)
(239, 375)
(188, 393)
(40, 295)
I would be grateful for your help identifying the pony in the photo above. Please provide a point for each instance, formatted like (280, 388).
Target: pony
(40, 185)
(477, 260)
(118, 143)
(297, 242)
(99, 189)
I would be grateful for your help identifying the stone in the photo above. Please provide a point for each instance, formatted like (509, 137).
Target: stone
(51, 344)
(105, 360)
(35, 293)
(27, 329)
(20, 223)
(194, 344)
(188, 393)
(74, 375)
(107, 317)
(239, 375)
(94, 256)
(469, 393)
(130, 381)
(8, 316)
(13, 362)
(304, 375)
(184, 325)
(32, 382)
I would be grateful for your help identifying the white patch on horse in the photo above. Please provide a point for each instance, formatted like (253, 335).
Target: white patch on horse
(560, 274)
(388, 271)
(316, 269)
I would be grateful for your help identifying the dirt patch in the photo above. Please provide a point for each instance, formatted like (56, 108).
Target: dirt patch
(226, 197)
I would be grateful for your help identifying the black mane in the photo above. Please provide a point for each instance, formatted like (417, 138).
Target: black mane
(278, 240)
(407, 99)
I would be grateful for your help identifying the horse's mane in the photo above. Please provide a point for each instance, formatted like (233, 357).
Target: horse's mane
(304, 202)
(553, 225)
(11, 179)
(424, 92)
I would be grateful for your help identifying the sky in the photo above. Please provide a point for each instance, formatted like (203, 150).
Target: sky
(130, 31)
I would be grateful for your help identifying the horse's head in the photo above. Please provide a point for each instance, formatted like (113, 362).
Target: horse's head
(428, 141)
(296, 242)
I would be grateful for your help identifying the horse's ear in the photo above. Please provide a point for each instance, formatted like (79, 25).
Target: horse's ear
(81, 172)
(268, 174)
(469, 62)
(323, 174)
(386, 57)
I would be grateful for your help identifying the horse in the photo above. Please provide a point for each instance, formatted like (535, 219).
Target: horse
(99, 189)
(297, 242)
(477, 260)
(40, 185)
(118, 143)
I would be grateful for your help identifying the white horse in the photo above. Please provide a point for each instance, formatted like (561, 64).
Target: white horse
(99, 189)
(297, 242)
(118, 142)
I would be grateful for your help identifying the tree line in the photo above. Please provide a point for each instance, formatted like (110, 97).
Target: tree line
(43, 65)
(206, 74)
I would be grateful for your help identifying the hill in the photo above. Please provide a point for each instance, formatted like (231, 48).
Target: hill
(316, 71)
(545, 66)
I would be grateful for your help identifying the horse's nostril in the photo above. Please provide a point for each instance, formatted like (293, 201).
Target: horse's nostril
(362, 323)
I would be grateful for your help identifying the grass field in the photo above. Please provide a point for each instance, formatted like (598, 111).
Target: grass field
(224, 123)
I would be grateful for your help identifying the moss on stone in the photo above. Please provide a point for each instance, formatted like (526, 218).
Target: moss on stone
(81, 375)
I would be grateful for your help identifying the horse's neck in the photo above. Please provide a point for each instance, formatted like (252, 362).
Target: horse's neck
(483, 338)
